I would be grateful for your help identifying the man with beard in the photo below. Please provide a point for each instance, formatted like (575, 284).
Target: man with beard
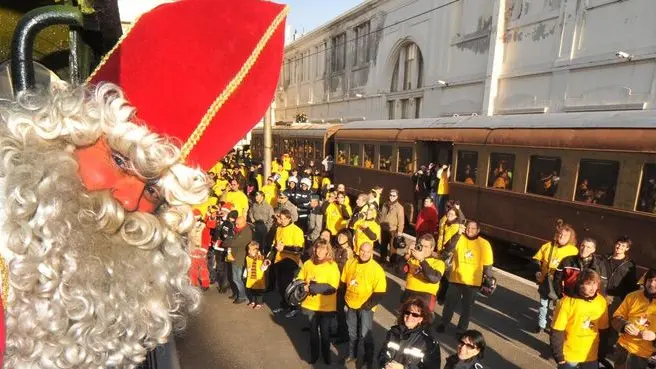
(634, 320)
(96, 206)
(472, 262)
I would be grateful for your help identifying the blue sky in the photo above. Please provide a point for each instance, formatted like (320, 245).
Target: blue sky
(310, 14)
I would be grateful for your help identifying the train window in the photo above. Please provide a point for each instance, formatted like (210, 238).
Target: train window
(647, 196)
(597, 181)
(368, 156)
(502, 166)
(385, 158)
(354, 155)
(467, 167)
(405, 160)
(342, 153)
(543, 175)
(317, 150)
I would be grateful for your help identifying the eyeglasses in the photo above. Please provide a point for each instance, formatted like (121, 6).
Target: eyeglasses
(468, 345)
(414, 315)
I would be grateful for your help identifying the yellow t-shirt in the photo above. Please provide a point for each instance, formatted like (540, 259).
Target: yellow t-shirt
(637, 309)
(290, 235)
(270, 194)
(275, 167)
(334, 220)
(443, 186)
(362, 280)
(238, 200)
(259, 180)
(445, 232)
(468, 260)
(315, 182)
(254, 274)
(581, 321)
(325, 182)
(360, 237)
(282, 181)
(415, 281)
(220, 186)
(558, 254)
(203, 207)
(327, 272)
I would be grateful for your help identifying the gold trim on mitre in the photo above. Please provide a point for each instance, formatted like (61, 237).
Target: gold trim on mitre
(4, 274)
(232, 86)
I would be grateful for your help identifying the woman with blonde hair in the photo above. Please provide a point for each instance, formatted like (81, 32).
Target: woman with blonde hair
(321, 276)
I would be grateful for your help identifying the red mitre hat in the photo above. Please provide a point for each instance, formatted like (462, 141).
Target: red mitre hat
(202, 71)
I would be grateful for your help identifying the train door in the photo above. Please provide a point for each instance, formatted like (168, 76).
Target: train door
(437, 152)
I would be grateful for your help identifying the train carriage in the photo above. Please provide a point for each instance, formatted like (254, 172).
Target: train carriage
(302, 141)
(518, 174)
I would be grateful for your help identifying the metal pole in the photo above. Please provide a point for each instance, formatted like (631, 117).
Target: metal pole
(268, 123)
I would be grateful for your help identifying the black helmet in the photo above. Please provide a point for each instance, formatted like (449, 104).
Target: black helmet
(488, 286)
(295, 293)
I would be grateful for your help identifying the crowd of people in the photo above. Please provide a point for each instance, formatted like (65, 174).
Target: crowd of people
(299, 229)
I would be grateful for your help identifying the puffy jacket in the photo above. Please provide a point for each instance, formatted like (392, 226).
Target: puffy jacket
(303, 203)
(453, 362)
(315, 223)
(569, 269)
(413, 348)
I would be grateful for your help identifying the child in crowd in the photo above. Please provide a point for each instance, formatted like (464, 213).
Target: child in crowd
(254, 273)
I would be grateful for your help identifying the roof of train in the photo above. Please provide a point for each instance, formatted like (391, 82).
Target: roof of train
(302, 129)
(611, 119)
(603, 131)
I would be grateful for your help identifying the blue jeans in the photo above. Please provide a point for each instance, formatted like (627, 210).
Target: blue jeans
(360, 321)
(238, 281)
(543, 313)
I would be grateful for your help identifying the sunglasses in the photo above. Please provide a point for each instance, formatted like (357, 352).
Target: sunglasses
(468, 345)
(414, 315)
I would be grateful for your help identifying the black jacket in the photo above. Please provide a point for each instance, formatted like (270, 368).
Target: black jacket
(303, 203)
(452, 362)
(413, 348)
(223, 232)
(568, 271)
(623, 279)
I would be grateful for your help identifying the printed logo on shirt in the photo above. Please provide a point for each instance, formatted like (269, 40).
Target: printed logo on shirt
(642, 321)
(588, 324)
(469, 254)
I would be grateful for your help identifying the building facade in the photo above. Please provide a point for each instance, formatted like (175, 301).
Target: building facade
(394, 59)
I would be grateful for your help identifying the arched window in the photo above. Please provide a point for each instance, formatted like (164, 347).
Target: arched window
(408, 69)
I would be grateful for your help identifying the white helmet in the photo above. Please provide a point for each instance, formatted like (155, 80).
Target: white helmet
(306, 181)
(292, 179)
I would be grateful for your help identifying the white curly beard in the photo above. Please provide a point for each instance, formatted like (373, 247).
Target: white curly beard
(91, 286)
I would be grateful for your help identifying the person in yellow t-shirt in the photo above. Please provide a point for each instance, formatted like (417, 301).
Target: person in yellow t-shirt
(270, 190)
(423, 272)
(442, 190)
(366, 230)
(337, 213)
(365, 285)
(472, 261)
(255, 282)
(580, 323)
(321, 277)
(286, 256)
(635, 320)
(563, 246)
(237, 198)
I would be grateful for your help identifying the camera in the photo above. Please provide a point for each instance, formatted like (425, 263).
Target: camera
(418, 247)
(463, 222)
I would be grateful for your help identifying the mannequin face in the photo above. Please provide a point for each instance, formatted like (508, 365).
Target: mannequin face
(101, 168)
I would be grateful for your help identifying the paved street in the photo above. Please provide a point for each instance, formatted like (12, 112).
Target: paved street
(224, 335)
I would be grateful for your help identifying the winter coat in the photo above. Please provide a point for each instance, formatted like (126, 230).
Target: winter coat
(413, 348)
(569, 269)
(623, 280)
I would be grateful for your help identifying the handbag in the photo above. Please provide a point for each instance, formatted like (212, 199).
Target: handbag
(546, 287)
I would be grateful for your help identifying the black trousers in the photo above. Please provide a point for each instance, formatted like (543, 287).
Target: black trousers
(342, 327)
(319, 333)
(285, 271)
